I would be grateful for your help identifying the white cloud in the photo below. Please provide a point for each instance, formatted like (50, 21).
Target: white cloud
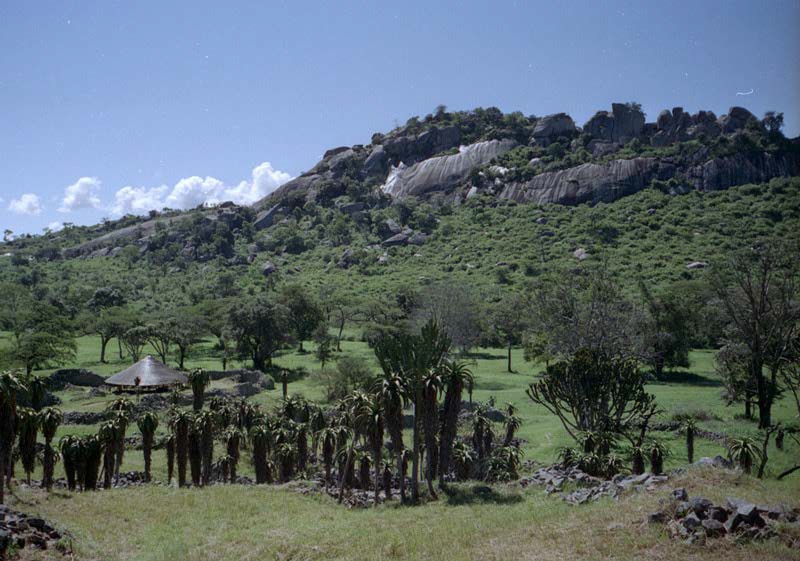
(55, 226)
(81, 194)
(28, 203)
(192, 191)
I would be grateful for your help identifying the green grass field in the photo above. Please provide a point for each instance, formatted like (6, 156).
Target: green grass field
(232, 522)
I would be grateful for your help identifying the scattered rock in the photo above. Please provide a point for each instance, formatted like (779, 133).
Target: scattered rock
(680, 494)
(269, 268)
(697, 265)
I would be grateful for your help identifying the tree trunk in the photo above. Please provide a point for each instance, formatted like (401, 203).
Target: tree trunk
(748, 412)
(509, 358)
(339, 337)
(348, 462)
(377, 460)
(762, 393)
(2, 476)
(415, 453)
(103, 343)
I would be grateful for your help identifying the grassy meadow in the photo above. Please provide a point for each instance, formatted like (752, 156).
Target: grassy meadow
(242, 523)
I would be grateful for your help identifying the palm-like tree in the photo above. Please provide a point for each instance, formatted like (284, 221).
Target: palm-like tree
(456, 377)
(285, 454)
(91, 451)
(49, 419)
(316, 423)
(37, 389)
(147, 423)
(301, 437)
(658, 452)
(233, 439)
(744, 451)
(637, 460)
(464, 458)
(181, 422)
(206, 423)
(690, 428)
(356, 406)
(393, 394)
(327, 436)
(195, 452)
(28, 429)
(413, 357)
(67, 448)
(373, 426)
(431, 386)
(121, 420)
(169, 448)
(512, 422)
(199, 380)
(261, 438)
(10, 387)
(108, 437)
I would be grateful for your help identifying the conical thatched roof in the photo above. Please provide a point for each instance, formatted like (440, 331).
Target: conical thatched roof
(150, 372)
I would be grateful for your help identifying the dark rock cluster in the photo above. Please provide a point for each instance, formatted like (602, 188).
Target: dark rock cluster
(554, 478)
(19, 531)
(696, 519)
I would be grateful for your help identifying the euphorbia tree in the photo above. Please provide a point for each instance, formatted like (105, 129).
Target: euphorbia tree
(10, 386)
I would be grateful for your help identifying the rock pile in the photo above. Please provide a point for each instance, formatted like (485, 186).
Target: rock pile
(18, 531)
(83, 418)
(695, 519)
(590, 488)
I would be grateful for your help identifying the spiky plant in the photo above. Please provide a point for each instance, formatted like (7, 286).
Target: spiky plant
(512, 423)
(10, 386)
(431, 387)
(49, 418)
(92, 451)
(261, 437)
(658, 452)
(364, 464)
(591, 463)
(456, 377)
(387, 481)
(373, 426)
(464, 458)
(169, 448)
(67, 447)
(121, 404)
(316, 424)
(233, 439)
(148, 424)
(327, 437)
(108, 438)
(286, 456)
(481, 432)
(568, 456)
(28, 429)
(181, 422)
(199, 380)
(393, 394)
(744, 451)
(195, 453)
(690, 428)
(504, 463)
(37, 389)
(637, 460)
(356, 408)
(121, 418)
(206, 422)
(612, 465)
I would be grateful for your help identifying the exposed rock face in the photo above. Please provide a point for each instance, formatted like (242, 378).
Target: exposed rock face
(265, 218)
(376, 164)
(586, 183)
(445, 172)
(552, 126)
(410, 149)
(736, 119)
(721, 173)
(677, 125)
(624, 123)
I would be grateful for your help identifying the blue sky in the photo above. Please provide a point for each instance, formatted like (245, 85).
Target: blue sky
(108, 107)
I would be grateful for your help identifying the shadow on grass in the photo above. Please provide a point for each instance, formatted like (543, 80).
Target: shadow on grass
(688, 378)
(477, 494)
(486, 356)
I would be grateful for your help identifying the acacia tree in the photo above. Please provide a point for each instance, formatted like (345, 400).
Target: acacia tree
(134, 340)
(592, 392)
(259, 327)
(304, 312)
(509, 321)
(667, 329)
(757, 290)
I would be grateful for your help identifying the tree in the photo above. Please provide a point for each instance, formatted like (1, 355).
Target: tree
(456, 311)
(757, 290)
(186, 331)
(10, 387)
(42, 335)
(134, 340)
(28, 429)
(160, 335)
(108, 323)
(456, 377)
(324, 349)
(180, 423)
(732, 364)
(509, 321)
(592, 392)
(199, 380)
(49, 419)
(412, 357)
(304, 312)
(147, 423)
(259, 327)
(392, 391)
(105, 297)
(667, 329)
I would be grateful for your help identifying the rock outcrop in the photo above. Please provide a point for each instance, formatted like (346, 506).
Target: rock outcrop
(592, 183)
(444, 172)
(721, 173)
(624, 123)
(549, 128)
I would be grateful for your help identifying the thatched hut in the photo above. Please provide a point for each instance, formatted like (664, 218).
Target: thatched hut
(148, 374)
